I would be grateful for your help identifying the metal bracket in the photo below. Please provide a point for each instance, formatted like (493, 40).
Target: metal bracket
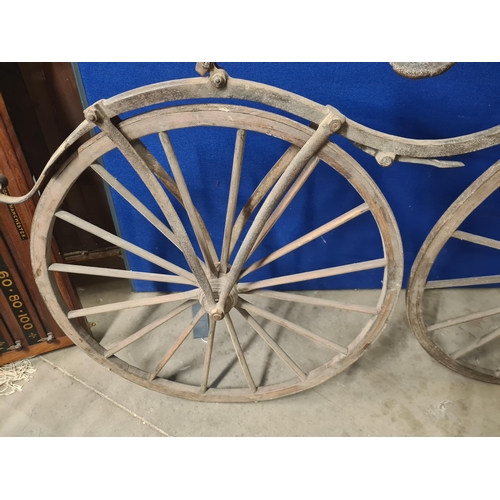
(15, 347)
(202, 68)
(218, 76)
(49, 338)
(387, 158)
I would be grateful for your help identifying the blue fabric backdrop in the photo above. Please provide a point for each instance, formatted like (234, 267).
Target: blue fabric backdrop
(463, 100)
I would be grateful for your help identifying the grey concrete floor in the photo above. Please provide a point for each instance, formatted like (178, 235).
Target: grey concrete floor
(394, 389)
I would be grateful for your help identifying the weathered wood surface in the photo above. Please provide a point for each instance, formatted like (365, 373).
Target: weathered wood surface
(201, 88)
(241, 118)
(446, 228)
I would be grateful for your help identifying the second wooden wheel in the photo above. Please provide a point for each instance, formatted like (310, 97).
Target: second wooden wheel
(243, 316)
(456, 317)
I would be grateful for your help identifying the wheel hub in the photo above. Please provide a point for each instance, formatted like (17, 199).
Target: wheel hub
(217, 285)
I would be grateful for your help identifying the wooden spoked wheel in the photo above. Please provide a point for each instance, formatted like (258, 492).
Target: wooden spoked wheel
(161, 353)
(460, 329)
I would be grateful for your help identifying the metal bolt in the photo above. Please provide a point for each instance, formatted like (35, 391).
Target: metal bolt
(91, 115)
(216, 314)
(218, 80)
(385, 159)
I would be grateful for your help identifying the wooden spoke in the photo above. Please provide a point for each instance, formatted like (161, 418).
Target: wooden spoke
(239, 353)
(291, 326)
(260, 192)
(114, 347)
(156, 167)
(134, 202)
(473, 238)
(171, 338)
(187, 201)
(315, 301)
(455, 283)
(119, 273)
(285, 202)
(120, 242)
(272, 343)
(130, 304)
(184, 335)
(311, 147)
(208, 356)
(152, 183)
(233, 197)
(463, 319)
(478, 343)
(311, 275)
(320, 231)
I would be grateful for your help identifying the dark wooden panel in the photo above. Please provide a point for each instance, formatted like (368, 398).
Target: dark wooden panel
(16, 220)
(17, 308)
(43, 103)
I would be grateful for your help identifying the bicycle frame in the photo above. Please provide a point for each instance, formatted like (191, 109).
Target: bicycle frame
(385, 147)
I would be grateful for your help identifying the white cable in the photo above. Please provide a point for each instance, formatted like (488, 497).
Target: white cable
(14, 372)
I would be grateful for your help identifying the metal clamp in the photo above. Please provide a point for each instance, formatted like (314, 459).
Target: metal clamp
(387, 158)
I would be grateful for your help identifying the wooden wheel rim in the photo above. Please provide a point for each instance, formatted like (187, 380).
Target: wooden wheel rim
(461, 208)
(214, 115)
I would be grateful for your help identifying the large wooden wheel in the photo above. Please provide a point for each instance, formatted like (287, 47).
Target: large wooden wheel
(226, 366)
(460, 330)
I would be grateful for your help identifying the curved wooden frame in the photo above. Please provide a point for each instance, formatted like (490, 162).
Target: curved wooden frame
(202, 88)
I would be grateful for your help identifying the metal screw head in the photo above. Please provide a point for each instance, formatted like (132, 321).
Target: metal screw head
(91, 115)
(218, 80)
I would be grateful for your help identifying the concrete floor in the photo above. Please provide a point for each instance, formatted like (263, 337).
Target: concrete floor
(395, 389)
